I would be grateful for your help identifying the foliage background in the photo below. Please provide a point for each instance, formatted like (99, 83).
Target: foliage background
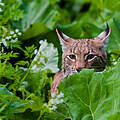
(28, 61)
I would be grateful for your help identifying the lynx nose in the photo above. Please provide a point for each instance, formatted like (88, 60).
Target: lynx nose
(79, 69)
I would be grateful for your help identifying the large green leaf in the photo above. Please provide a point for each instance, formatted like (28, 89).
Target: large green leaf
(35, 30)
(83, 30)
(10, 103)
(38, 82)
(98, 11)
(114, 41)
(33, 12)
(93, 96)
(12, 106)
(39, 17)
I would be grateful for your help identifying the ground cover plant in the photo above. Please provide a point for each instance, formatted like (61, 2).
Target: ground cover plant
(30, 55)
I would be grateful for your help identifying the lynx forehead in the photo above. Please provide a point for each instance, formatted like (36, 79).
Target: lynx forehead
(79, 54)
(84, 44)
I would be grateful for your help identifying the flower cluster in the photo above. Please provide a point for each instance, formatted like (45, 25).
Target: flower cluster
(35, 52)
(12, 36)
(1, 4)
(114, 61)
(57, 100)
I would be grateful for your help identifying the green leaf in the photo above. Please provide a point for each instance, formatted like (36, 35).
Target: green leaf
(39, 18)
(98, 12)
(114, 42)
(33, 12)
(115, 116)
(37, 82)
(93, 96)
(10, 12)
(35, 30)
(84, 30)
(12, 104)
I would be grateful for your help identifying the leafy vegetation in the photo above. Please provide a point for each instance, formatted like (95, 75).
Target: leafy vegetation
(30, 54)
(91, 95)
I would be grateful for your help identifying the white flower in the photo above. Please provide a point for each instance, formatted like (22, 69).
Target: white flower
(16, 30)
(52, 101)
(10, 37)
(53, 95)
(34, 67)
(113, 59)
(11, 32)
(61, 101)
(57, 101)
(7, 38)
(115, 63)
(16, 39)
(19, 33)
(35, 52)
(2, 4)
(14, 35)
(54, 107)
(4, 42)
(0, 9)
(60, 95)
(13, 41)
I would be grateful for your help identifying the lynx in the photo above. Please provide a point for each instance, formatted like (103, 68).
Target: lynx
(79, 54)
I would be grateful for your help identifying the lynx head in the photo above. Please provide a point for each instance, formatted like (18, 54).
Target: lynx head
(83, 53)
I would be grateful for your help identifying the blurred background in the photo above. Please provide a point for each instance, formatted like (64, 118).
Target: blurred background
(30, 52)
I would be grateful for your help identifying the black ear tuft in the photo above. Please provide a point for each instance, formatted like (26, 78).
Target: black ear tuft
(105, 34)
(107, 30)
(58, 31)
(64, 39)
(57, 26)
(61, 35)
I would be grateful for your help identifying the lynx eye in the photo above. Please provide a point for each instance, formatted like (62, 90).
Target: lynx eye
(72, 56)
(90, 56)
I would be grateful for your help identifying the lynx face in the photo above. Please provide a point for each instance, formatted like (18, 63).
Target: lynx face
(83, 53)
(79, 54)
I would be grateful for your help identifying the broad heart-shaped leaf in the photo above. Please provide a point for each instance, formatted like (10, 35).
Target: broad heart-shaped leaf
(114, 40)
(10, 103)
(46, 58)
(39, 17)
(34, 11)
(93, 96)
(35, 30)
(83, 30)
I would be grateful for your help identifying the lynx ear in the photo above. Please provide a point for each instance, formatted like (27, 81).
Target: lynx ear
(103, 37)
(64, 39)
